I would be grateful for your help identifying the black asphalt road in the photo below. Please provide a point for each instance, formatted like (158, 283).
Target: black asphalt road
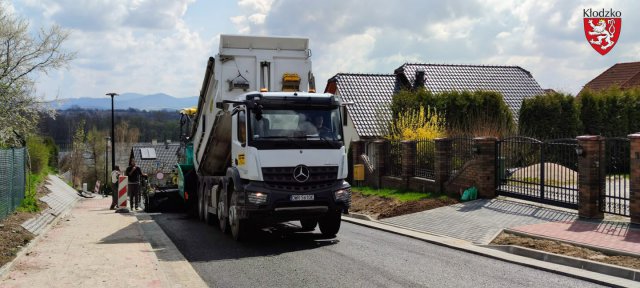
(359, 257)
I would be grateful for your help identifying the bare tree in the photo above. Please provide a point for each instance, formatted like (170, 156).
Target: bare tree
(21, 56)
(126, 134)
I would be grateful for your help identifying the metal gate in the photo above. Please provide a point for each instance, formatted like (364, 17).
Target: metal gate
(614, 194)
(544, 172)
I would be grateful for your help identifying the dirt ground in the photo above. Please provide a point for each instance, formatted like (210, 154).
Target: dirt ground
(12, 236)
(557, 247)
(378, 207)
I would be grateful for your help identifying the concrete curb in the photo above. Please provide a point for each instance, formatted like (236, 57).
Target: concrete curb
(177, 270)
(580, 263)
(592, 247)
(466, 246)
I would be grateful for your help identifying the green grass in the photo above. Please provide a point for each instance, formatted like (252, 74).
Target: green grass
(30, 202)
(402, 195)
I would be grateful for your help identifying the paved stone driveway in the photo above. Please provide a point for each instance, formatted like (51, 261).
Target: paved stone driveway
(481, 220)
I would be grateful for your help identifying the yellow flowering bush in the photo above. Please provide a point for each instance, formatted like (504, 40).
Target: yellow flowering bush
(417, 125)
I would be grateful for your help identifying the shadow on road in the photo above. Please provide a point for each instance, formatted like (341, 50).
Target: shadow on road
(198, 241)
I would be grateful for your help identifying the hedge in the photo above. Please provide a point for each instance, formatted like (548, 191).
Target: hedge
(612, 112)
(549, 116)
(465, 112)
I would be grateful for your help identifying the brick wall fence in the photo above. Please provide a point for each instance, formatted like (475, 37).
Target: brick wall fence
(480, 170)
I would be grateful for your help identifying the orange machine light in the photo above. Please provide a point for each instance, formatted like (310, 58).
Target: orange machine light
(264, 90)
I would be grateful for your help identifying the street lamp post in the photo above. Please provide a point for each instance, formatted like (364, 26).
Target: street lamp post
(113, 139)
(106, 161)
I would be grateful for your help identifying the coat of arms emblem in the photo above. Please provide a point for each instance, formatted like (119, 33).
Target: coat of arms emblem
(602, 32)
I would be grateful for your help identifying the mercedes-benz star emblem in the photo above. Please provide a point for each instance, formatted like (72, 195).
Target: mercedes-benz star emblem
(301, 173)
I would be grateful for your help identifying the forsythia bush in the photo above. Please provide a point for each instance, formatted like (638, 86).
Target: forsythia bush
(417, 124)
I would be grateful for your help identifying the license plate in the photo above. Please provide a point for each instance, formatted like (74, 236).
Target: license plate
(301, 197)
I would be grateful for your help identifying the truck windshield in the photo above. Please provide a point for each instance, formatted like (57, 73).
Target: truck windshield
(307, 124)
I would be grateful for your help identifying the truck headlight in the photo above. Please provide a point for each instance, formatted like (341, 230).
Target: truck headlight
(343, 195)
(257, 198)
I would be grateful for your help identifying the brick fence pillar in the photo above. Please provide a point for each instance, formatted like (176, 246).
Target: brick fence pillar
(409, 155)
(485, 168)
(634, 178)
(591, 171)
(442, 159)
(379, 152)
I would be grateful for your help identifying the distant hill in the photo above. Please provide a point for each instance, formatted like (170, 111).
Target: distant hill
(158, 101)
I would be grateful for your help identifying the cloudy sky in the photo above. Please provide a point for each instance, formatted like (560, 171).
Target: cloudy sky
(151, 46)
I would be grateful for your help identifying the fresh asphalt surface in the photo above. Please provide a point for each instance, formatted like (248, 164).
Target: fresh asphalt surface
(285, 256)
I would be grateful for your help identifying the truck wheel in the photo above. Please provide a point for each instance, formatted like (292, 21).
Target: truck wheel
(200, 205)
(308, 224)
(222, 214)
(330, 224)
(208, 218)
(239, 227)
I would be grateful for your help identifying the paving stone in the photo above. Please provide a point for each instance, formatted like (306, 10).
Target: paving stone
(60, 199)
(480, 220)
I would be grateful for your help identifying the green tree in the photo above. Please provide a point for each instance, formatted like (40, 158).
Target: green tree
(38, 154)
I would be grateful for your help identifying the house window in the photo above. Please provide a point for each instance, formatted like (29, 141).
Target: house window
(148, 153)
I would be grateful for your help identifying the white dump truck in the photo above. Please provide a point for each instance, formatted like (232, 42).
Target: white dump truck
(264, 147)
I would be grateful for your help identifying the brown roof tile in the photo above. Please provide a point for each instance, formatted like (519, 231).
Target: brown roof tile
(623, 74)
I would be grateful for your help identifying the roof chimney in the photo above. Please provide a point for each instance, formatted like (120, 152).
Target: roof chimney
(154, 141)
(419, 82)
(166, 143)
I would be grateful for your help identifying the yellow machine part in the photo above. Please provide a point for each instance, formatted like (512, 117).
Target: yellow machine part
(290, 82)
(189, 111)
(358, 172)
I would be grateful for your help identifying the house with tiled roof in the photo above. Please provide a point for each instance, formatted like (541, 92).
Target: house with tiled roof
(372, 93)
(157, 160)
(624, 75)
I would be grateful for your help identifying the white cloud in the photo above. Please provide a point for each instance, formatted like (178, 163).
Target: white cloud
(146, 46)
(539, 36)
(256, 10)
(107, 14)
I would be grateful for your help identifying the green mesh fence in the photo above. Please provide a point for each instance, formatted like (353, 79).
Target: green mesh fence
(12, 179)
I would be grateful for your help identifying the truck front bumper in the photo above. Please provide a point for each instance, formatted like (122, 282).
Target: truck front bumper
(280, 206)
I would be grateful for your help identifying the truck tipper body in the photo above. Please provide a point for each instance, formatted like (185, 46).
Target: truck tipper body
(265, 148)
